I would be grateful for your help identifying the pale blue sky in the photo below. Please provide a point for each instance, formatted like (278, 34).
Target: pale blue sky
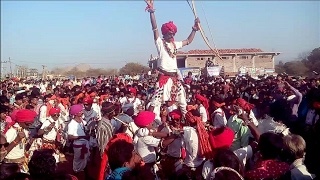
(109, 33)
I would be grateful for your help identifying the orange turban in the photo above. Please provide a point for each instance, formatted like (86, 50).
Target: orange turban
(204, 101)
(244, 104)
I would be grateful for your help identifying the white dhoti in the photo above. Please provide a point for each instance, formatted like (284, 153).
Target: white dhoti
(81, 154)
(168, 88)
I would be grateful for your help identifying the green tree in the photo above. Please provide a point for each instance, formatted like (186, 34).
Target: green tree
(133, 68)
(295, 68)
(313, 60)
(279, 68)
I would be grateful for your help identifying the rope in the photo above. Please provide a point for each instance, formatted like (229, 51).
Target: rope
(205, 16)
(189, 5)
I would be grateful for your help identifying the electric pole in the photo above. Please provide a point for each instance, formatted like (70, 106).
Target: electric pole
(10, 68)
(1, 68)
(43, 72)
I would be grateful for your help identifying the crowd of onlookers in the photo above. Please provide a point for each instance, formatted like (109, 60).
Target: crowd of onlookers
(234, 128)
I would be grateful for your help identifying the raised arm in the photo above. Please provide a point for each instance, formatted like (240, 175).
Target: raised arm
(152, 19)
(192, 34)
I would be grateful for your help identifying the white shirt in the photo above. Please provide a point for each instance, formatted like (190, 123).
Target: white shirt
(64, 112)
(51, 135)
(243, 154)
(269, 125)
(146, 148)
(191, 142)
(43, 113)
(312, 117)
(96, 108)
(18, 151)
(203, 113)
(165, 62)
(90, 115)
(43, 88)
(219, 118)
(135, 101)
(77, 129)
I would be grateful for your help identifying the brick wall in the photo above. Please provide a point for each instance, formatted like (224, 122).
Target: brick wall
(264, 61)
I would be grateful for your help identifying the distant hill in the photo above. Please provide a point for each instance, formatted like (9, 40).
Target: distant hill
(81, 67)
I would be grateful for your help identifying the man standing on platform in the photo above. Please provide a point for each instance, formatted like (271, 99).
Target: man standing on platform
(168, 87)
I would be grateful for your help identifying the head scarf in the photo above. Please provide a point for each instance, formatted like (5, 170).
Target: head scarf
(103, 97)
(78, 97)
(49, 105)
(169, 26)
(93, 95)
(104, 161)
(204, 101)
(75, 109)
(64, 101)
(244, 104)
(25, 116)
(205, 147)
(218, 105)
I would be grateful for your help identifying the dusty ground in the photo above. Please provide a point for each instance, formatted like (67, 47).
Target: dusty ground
(92, 169)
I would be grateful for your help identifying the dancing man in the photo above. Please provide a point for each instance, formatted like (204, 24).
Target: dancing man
(168, 87)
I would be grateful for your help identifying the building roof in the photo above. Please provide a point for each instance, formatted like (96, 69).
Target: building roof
(221, 51)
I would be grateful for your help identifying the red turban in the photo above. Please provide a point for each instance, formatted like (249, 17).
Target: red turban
(93, 94)
(87, 100)
(144, 118)
(54, 111)
(244, 104)
(25, 116)
(175, 114)
(221, 139)
(133, 90)
(116, 137)
(169, 26)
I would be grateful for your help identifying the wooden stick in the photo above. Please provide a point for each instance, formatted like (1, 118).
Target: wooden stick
(120, 121)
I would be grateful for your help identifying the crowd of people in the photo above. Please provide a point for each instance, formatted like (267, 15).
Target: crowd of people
(233, 128)
(168, 127)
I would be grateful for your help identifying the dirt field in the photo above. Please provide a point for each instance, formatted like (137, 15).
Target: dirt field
(92, 169)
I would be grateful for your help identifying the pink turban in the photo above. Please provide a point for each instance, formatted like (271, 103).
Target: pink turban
(75, 109)
(144, 118)
(25, 116)
(169, 26)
